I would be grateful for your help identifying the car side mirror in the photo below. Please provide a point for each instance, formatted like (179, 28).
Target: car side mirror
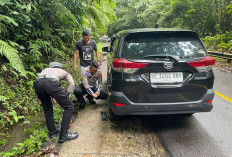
(106, 49)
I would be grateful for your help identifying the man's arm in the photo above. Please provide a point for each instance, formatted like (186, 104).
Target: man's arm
(75, 59)
(86, 85)
(99, 82)
(99, 88)
(71, 85)
(98, 58)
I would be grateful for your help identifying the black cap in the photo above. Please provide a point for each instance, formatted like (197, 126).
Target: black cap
(94, 64)
(86, 33)
(56, 65)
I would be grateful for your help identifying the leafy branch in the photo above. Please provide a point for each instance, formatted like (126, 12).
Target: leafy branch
(12, 55)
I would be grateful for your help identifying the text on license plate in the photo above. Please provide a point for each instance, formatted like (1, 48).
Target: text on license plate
(170, 77)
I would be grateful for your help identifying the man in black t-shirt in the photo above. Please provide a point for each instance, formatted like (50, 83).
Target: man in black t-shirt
(85, 48)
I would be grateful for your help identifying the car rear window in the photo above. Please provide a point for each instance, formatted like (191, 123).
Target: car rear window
(137, 46)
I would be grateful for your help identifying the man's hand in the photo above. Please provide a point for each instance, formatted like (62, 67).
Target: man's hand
(94, 95)
(99, 63)
(98, 94)
(54, 100)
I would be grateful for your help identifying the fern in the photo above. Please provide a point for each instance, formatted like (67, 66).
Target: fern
(34, 51)
(230, 45)
(38, 46)
(12, 55)
(3, 28)
(3, 98)
(8, 19)
(97, 20)
(48, 47)
(222, 46)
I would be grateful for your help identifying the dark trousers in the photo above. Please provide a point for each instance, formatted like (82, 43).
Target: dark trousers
(47, 88)
(80, 91)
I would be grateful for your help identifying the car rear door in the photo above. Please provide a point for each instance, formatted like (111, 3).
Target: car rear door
(163, 67)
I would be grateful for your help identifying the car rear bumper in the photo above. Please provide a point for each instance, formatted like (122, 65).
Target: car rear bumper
(159, 108)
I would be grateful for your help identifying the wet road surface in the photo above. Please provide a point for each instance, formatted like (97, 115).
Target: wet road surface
(204, 134)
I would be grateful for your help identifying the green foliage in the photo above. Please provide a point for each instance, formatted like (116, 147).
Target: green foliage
(14, 116)
(229, 8)
(58, 112)
(12, 55)
(17, 100)
(95, 14)
(3, 2)
(34, 52)
(40, 48)
(220, 42)
(99, 47)
(33, 33)
(4, 138)
(8, 20)
(205, 17)
(31, 145)
(43, 31)
(3, 98)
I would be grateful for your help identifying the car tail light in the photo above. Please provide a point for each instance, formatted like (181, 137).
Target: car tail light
(118, 104)
(125, 66)
(204, 64)
(210, 101)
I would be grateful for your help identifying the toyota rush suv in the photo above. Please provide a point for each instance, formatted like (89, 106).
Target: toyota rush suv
(159, 71)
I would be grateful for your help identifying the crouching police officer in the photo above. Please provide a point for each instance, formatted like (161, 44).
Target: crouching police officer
(47, 85)
(88, 86)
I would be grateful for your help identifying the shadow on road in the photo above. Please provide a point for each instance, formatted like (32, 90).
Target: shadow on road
(180, 135)
(152, 122)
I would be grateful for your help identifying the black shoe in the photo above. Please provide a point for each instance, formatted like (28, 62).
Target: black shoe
(90, 98)
(67, 136)
(55, 133)
(82, 105)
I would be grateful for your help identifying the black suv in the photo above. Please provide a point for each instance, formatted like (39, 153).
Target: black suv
(159, 71)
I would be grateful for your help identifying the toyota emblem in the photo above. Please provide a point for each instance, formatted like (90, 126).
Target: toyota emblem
(168, 65)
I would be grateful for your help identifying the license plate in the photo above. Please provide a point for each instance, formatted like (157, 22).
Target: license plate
(170, 77)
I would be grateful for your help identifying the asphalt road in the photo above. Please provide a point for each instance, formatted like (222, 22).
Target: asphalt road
(201, 135)
(204, 134)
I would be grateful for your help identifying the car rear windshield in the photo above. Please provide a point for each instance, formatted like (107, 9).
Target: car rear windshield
(140, 46)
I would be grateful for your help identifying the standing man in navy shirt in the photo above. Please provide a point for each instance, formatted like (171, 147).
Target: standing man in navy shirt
(84, 48)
